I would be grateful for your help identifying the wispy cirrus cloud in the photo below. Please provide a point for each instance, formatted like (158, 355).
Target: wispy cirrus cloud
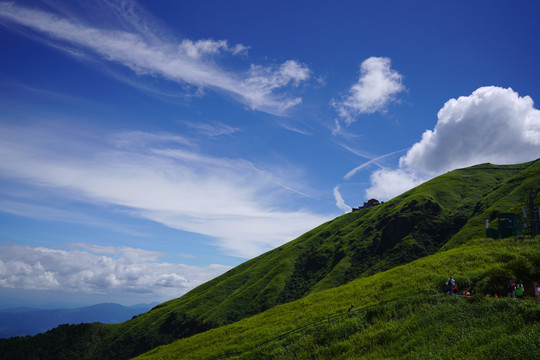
(147, 52)
(371, 161)
(340, 202)
(159, 177)
(30, 208)
(212, 129)
(201, 48)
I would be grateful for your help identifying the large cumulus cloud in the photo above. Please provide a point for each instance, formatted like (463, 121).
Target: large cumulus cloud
(492, 124)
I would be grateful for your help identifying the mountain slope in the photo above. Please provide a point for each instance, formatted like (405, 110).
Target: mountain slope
(439, 214)
(399, 311)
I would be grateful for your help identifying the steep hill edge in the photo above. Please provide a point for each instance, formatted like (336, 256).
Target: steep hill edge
(481, 266)
(435, 216)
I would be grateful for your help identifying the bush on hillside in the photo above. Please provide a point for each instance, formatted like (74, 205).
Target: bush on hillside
(535, 262)
(476, 298)
(520, 267)
(495, 282)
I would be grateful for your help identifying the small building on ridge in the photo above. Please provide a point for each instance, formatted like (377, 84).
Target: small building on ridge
(368, 204)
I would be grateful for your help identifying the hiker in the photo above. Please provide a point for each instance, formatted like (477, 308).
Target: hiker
(351, 309)
(536, 291)
(511, 290)
(451, 284)
(455, 290)
(520, 290)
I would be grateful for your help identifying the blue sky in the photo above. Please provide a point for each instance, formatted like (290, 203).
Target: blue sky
(146, 147)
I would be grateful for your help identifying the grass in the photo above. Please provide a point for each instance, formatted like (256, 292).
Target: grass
(424, 325)
(442, 213)
(354, 249)
(419, 327)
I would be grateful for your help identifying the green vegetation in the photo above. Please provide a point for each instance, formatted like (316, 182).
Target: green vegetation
(63, 342)
(411, 316)
(359, 249)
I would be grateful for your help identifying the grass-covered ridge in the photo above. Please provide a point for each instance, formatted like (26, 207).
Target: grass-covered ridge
(442, 212)
(437, 216)
(427, 324)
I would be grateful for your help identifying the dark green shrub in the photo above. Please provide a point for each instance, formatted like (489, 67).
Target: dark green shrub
(535, 262)
(531, 315)
(520, 267)
(504, 258)
(386, 285)
(496, 281)
(441, 284)
(476, 298)
(463, 283)
(371, 315)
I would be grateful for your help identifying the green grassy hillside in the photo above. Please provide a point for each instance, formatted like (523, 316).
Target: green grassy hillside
(446, 210)
(400, 313)
(437, 215)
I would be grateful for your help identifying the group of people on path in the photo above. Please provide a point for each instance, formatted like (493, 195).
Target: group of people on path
(513, 289)
(452, 286)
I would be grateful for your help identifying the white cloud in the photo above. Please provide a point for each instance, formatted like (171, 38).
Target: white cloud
(130, 139)
(146, 52)
(493, 125)
(372, 160)
(376, 88)
(490, 125)
(262, 81)
(212, 130)
(386, 183)
(340, 203)
(163, 181)
(295, 129)
(98, 270)
(201, 48)
(30, 208)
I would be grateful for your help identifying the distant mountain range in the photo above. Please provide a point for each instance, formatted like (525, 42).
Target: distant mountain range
(27, 321)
